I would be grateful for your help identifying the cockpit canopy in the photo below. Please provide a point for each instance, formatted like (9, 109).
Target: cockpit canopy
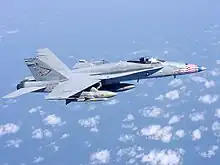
(147, 60)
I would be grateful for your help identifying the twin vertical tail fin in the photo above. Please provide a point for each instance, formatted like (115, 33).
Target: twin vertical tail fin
(47, 67)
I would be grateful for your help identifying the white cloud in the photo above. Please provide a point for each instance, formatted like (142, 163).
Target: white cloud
(13, 143)
(180, 133)
(196, 134)
(166, 52)
(125, 137)
(209, 84)
(129, 117)
(32, 110)
(172, 95)
(129, 126)
(217, 113)
(152, 112)
(90, 123)
(160, 97)
(87, 144)
(175, 83)
(38, 159)
(39, 133)
(175, 119)
(47, 133)
(164, 157)
(112, 102)
(216, 128)
(156, 132)
(8, 128)
(64, 136)
(211, 152)
(53, 120)
(208, 99)
(199, 79)
(101, 157)
(203, 128)
(218, 62)
(56, 148)
(197, 116)
(13, 31)
(131, 152)
(215, 72)
(92, 107)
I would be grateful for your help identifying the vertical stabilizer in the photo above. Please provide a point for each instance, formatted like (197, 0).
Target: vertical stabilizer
(46, 66)
(41, 71)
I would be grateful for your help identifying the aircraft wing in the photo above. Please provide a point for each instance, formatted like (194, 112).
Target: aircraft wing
(73, 86)
(23, 91)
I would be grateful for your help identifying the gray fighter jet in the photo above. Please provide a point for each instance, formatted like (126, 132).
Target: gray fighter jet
(92, 81)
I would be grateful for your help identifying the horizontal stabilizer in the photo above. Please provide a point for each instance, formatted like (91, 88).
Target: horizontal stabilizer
(22, 91)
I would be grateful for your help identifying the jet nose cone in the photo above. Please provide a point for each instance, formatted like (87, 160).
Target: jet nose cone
(201, 68)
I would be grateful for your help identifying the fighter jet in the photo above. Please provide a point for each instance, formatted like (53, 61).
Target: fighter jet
(92, 81)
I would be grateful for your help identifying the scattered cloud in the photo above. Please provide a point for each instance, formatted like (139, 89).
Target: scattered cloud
(131, 153)
(164, 157)
(92, 107)
(32, 110)
(199, 79)
(175, 119)
(196, 134)
(156, 132)
(8, 128)
(166, 52)
(53, 120)
(13, 143)
(208, 99)
(197, 116)
(160, 97)
(47, 133)
(39, 133)
(12, 31)
(101, 157)
(125, 137)
(211, 152)
(175, 83)
(129, 126)
(153, 112)
(38, 159)
(90, 123)
(216, 128)
(64, 136)
(129, 117)
(209, 84)
(215, 72)
(217, 113)
(112, 102)
(87, 144)
(172, 95)
(180, 133)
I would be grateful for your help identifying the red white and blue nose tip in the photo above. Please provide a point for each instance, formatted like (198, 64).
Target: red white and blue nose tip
(190, 68)
(201, 68)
